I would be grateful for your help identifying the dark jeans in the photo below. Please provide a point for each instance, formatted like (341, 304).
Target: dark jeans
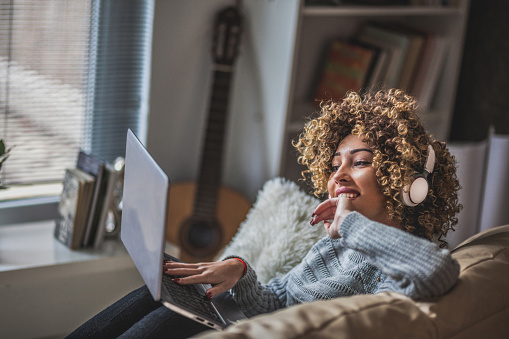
(137, 315)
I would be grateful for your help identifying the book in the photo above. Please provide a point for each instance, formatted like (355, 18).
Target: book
(73, 207)
(374, 66)
(95, 167)
(67, 208)
(393, 42)
(347, 67)
(413, 56)
(428, 74)
(111, 177)
(380, 69)
(427, 56)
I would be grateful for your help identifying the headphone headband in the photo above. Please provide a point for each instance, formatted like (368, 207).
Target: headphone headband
(430, 160)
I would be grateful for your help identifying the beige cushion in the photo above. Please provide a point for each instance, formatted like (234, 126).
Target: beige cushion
(350, 317)
(477, 307)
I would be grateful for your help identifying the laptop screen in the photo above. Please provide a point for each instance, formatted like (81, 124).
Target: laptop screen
(144, 207)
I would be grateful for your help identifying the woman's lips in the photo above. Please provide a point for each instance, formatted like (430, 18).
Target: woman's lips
(348, 193)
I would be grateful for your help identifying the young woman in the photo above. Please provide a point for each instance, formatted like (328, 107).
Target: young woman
(392, 189)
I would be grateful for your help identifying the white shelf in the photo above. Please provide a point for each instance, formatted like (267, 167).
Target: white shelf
(318, 25)
(380, 11)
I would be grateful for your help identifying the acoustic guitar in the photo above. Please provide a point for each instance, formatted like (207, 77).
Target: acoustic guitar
(204, 216)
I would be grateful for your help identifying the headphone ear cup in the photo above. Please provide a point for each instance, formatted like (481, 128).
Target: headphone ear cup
(416, 192)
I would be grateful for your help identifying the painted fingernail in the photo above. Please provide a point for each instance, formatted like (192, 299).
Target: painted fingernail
(175, 280)
(209, 295)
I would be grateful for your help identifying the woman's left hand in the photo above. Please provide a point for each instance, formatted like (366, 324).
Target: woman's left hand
(222, 275)
(334, 209)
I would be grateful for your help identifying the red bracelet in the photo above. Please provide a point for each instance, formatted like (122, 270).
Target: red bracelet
(243, 263)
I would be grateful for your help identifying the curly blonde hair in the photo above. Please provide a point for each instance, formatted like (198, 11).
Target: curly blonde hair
(387, 122)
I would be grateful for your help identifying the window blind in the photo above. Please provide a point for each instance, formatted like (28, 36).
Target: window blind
(74, 74)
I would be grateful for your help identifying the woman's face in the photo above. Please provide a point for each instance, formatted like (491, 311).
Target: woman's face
(354, 175)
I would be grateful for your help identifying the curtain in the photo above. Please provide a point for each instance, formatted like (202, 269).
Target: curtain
(74, 74)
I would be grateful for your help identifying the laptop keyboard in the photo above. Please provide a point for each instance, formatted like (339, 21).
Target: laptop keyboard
(188, 297)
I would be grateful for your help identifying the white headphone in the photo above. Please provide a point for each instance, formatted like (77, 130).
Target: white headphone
(415, 193)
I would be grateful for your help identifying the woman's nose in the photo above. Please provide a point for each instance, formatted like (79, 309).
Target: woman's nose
(342, 174)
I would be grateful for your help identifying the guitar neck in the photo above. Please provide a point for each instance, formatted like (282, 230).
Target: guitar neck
(209, 177)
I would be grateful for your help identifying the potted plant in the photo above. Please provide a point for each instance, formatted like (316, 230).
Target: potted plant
(4, 154)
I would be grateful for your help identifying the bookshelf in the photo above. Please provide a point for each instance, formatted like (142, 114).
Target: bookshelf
(302, 37)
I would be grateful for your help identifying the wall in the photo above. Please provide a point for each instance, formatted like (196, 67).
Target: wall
(180, 86)
(52, 301)
(181, 76)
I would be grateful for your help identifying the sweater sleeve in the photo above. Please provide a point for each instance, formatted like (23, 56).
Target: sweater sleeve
(254, 298)
(414, 266)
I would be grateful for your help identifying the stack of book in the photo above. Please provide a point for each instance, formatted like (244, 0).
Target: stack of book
(87, 196)
(388, 56)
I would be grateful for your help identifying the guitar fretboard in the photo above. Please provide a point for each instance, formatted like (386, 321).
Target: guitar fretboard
(209, 177)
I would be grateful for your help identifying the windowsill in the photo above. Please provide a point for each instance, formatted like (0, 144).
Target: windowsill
(18, 192)
(28, 211)
(29, 203)
(32, 245)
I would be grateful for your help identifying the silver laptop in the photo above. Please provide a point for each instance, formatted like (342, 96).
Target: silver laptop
(143, 232)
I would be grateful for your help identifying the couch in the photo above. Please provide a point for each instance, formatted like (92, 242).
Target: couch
(276, 234)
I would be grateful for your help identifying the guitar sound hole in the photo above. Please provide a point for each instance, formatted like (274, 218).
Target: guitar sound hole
(201, 235)
(201, 238)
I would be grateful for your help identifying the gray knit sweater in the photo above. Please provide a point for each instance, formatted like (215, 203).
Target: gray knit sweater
(369, 258)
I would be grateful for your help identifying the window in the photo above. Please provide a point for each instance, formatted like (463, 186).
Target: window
(74, 74)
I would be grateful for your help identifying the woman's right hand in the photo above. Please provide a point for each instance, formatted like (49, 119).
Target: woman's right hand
(334, 209)
(222, 275)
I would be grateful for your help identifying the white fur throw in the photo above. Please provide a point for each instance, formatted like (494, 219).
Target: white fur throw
(276, 234)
